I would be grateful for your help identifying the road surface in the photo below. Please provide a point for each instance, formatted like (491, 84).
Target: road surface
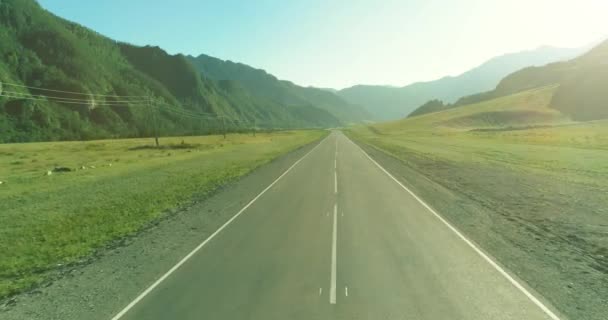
(336, 237)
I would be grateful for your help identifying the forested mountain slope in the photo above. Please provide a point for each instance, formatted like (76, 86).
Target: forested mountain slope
(90, 86)
(265, 85)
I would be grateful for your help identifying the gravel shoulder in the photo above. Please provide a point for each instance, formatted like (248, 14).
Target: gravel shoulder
(509, 215)
(115, 276)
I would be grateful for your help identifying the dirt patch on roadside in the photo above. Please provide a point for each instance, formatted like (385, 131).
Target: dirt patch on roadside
(176, 146)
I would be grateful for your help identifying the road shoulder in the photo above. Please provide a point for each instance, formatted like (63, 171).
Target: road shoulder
(477, 223)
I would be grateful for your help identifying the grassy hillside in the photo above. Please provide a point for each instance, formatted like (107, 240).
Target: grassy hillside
(389, 103)
(429, 107)
(521, 110)
(520, 178)
(262, 84)
(114, 188)
(582, 81)
(83, 72)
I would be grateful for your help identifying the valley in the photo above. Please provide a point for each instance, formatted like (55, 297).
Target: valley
(146, 173)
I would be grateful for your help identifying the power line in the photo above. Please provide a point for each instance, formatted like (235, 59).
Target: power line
(180, 112)
(125, 101)
(40, 97)
(187, 113)
(67, 102)
(70, 99)
(190, 116)
(190, 105)
(70, 92)
(202, 115)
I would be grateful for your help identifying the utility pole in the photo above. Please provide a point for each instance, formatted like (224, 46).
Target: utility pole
(287, 118)
(224, 126)
(152, 109)
(254, 126)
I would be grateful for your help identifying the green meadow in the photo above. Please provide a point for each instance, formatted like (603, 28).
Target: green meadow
(114, 189)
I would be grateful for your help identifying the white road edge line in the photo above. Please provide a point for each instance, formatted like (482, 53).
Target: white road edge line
(187, 257)
(514, 282)
(334, 256)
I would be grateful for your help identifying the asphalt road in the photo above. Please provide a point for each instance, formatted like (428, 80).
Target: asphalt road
(336, 237)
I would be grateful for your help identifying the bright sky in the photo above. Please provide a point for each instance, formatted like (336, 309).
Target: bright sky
(339, 43)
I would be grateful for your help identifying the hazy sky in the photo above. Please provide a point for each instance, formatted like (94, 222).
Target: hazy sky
(339, 43)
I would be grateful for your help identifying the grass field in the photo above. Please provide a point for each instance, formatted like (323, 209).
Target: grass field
(116, 188)
(521, 179)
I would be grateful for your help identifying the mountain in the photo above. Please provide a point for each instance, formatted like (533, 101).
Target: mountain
(387, 103)
(332, 90)
(430, 107)
(62, 81)
(581, 93)
(263, 84)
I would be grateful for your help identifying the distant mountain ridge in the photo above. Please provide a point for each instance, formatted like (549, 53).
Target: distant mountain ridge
(263, 84)
(387, 103)
(582, 82)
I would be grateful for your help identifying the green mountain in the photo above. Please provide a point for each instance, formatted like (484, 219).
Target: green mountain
(282, 92)
(581, 93)
(388, 103)
(429, 107)
(61, 81)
